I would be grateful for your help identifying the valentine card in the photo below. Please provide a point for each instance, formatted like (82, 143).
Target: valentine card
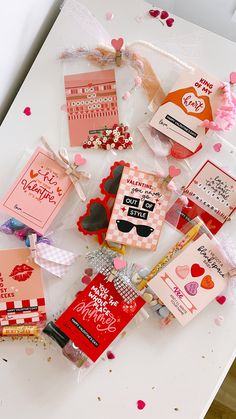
(38, 193)
(194, 98)
(139, 210)
(91, 104)
(192, 280)
(21, 289)
(97, 316)
(212, 197)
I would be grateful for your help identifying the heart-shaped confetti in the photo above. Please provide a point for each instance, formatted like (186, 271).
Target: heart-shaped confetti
(117, 43)
(207, 283)
(110, 355)
(174, 171)
(88, 271)
(86, 280)
(109, 16)
(182, 271)
(233, 77)
(164, 14)
(170, 22)
(141, 404)
(79, 160)
(29, 351)
(119, 263)
(217, 147)
(27, 111)
(221, 299)
(154, 13)
(219, 320)
(197, 270)
(191, 288)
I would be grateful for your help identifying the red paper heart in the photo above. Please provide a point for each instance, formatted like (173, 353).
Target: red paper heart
(154, 13)
(117, 43)
(197, 270)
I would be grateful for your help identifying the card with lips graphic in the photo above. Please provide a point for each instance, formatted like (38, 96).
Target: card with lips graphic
(192, 280)
(39, 192)
(21, 289)
(194, 98)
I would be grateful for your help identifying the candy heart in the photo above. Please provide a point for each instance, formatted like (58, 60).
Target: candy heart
(217, 147)
(119, 263)
(154, 13)
(86, 279)
(170, 22)
(6, 227)
(79, 160)
(197, 270)
(182, 271)
(117, 43)
(22, 234)
(233, 77)
(27, 111)
(221, 299)
(33, 174)
(15, 224)
(164, 14)
(96, 218)
(191, 288)
(174, 171)
(207, 282)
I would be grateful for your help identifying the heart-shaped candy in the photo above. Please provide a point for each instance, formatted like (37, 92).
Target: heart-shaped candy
(233, 77)
(221, 299)
(117, 43)
(174, 171)
(182, 271)
(217, 147)
(119, 263)
(207, 282)
(154, 13)
(197, 270)
(191, 288)
(79, 160)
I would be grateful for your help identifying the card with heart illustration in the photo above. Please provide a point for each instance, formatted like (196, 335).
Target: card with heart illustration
(139, 210)
(91, 104)
(21, 289)
(39, 192)
(194, 98)
(193, 279)
(212, 197)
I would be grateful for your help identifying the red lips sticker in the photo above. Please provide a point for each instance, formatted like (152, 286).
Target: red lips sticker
(21, 272)
(197, 270)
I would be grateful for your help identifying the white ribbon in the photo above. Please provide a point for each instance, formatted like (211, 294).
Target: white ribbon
(71, 169)
(55, 260)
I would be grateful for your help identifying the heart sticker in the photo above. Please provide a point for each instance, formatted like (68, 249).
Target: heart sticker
(233, 77)
(191, 288)
(174, 171)
(207, 282)
(117, 43)
(79, 160)
(33, 175)
(182, 271)
(193, 103)
(197, 270)
(119, 263)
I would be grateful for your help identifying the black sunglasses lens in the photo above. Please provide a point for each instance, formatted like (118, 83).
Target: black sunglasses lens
(144, 231)
(112, 184)
(124, 226)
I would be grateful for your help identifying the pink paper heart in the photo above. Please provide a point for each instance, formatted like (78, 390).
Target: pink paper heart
(182, 271)
(86, 280)
(174, 171)
(29, 351)
(191, 288)
(233, 77)
(217, 147)
(117, 43)
(119, 263)
(79, 160)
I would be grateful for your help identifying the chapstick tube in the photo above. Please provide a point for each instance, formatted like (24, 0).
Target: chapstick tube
(19, 331)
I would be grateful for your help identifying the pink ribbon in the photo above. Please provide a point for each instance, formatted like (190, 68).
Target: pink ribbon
(55, 260)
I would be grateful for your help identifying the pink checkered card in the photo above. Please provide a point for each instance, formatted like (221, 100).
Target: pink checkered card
(21, 289)
(38, 193)
(91, 104)
(139, 210)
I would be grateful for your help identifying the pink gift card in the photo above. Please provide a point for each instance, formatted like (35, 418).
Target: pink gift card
(38, 193)
(21, 289)
(139, 210)
(212, 197)
(91, 104)
(194, 98)
(192, 280)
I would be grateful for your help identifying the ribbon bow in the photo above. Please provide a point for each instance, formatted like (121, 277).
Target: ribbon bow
(71, 168)
(53, 259)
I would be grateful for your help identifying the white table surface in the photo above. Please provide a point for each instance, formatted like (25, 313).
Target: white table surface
(176, 371)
